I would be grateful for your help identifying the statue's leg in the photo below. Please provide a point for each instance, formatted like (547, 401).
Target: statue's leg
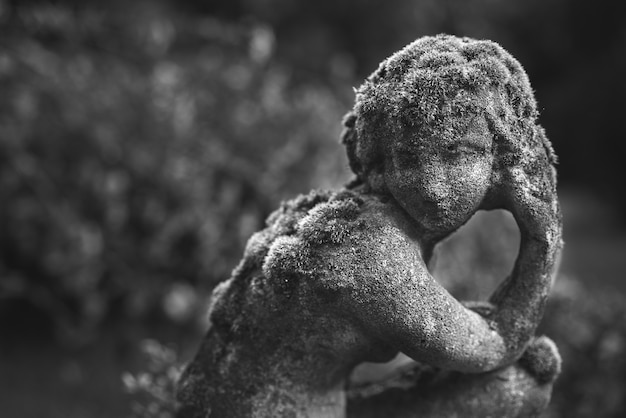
(520, 390)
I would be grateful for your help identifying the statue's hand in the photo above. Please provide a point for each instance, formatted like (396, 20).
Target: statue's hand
(532, 199)
(542, 360)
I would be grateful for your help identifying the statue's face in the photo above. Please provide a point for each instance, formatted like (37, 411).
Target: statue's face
(441, 182)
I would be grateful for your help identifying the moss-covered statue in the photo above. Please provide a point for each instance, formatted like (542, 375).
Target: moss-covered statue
(445, 127)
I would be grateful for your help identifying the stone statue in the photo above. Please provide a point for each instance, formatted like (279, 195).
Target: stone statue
(443, 128)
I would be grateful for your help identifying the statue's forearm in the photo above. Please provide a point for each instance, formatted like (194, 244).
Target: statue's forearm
(520, 300)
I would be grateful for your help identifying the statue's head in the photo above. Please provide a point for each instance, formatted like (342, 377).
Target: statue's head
(438, 124)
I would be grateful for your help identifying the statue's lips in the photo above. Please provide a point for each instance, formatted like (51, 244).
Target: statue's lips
(442, 218)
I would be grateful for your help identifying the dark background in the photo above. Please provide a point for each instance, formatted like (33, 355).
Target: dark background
(141, 143)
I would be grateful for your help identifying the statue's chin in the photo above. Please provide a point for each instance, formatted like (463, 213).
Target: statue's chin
(440, 224)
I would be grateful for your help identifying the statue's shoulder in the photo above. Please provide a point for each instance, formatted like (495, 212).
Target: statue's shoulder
(330, 234)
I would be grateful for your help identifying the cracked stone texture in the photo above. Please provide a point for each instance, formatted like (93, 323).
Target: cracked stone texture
(443, 128)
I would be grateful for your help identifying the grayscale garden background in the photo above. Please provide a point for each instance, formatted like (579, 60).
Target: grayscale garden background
(142, 143)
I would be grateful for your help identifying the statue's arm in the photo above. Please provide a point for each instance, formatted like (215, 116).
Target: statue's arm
(388, 290)
(520, 300)
(394, 296)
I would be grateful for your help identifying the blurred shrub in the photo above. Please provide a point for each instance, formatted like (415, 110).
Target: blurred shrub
(588, 324)
(152, 391)
(473, 261)
(138, 154)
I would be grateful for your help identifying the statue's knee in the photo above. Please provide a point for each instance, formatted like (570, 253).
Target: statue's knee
(524, 389)
(520, 392)
(542, 360)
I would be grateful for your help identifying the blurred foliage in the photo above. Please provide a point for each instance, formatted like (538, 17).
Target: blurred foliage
(153, 390)
(138, 154)
(488, 243)
(588, 325)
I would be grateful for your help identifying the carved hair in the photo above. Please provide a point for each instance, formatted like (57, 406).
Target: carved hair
(435, 85)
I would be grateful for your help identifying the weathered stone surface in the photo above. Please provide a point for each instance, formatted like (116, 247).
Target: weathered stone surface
(444, 128)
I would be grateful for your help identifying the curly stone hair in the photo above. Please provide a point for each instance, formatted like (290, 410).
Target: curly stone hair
(436, 85)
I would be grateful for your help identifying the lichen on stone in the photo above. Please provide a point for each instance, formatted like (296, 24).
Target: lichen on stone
(322, 219)
(437, 85)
